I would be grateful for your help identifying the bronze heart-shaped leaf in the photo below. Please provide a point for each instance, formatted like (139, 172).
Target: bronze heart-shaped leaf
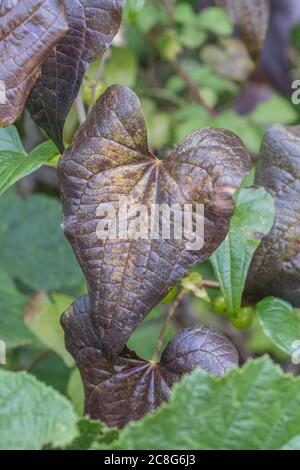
(28, 31)
(109, 159)
(92, 27)
(275, 268)
(131, 387)
(251, 18)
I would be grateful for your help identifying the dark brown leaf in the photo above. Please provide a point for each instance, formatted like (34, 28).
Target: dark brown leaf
(28, 31)
(110, 158)
(92, 27)
(275, 268)
(251, 18)
(131, 387)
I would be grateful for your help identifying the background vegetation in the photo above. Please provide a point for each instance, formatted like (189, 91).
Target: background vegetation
(189, 72)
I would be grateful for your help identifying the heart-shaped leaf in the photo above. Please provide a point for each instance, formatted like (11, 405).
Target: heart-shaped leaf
(110, 159)
(251, 18)
(29, 30)
(92, 27)
(130, 387)
(275, 268)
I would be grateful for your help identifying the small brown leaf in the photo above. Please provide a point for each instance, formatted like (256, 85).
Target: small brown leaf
(29, 30)
(251, 18)
(127, 389)
(110, 158)
(92, 27)
(275, 268)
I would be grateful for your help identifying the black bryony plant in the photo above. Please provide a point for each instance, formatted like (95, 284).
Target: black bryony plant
(129, 387)
(46, 47)
(110, 158)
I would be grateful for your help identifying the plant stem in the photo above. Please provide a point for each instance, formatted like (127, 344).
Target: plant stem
(167, 319)
(103, 61)
(211, 285)
(193, 89)
(81, 113)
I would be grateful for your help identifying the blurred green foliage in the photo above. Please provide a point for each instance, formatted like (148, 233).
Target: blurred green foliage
(189, 73)
(176, 57)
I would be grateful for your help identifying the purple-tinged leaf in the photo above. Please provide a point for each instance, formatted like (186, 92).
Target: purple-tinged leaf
(28, 31)
(92, 27)
(130, 387)
(109, 159)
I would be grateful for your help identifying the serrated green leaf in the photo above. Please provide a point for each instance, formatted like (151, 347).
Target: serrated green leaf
(32, 414)
(93, 434)
(255, 407)
(13, 331)
(281, 324)
(42, 316)
(33, 248)
(15, 163)
(89, 432)
(252, 219)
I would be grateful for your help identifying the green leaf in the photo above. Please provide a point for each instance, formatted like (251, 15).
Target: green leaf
(10, 140)
(122, 67)
(255, 407)
(13, 331)
(93, 434)
(268, 112)
(32, 414)
(89, 432)
(42, 316)
(33, 248)
(250, 132)
(50, 369)
(149, 16)
(184, 14)
(192, 37)
(252, 220)
(75, 391)
(215, 20)
(14, 165)
(132, 7)
(281, 324)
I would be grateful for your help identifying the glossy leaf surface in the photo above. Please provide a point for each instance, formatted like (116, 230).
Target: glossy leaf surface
(110, 159)
(131, 387)
(28, 32)
(92, 27)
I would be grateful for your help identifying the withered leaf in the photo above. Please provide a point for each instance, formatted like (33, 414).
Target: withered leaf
(92, 27)
(275, 268)
(130, 387)
(110, 159)
(251, 18)
(28, 31)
